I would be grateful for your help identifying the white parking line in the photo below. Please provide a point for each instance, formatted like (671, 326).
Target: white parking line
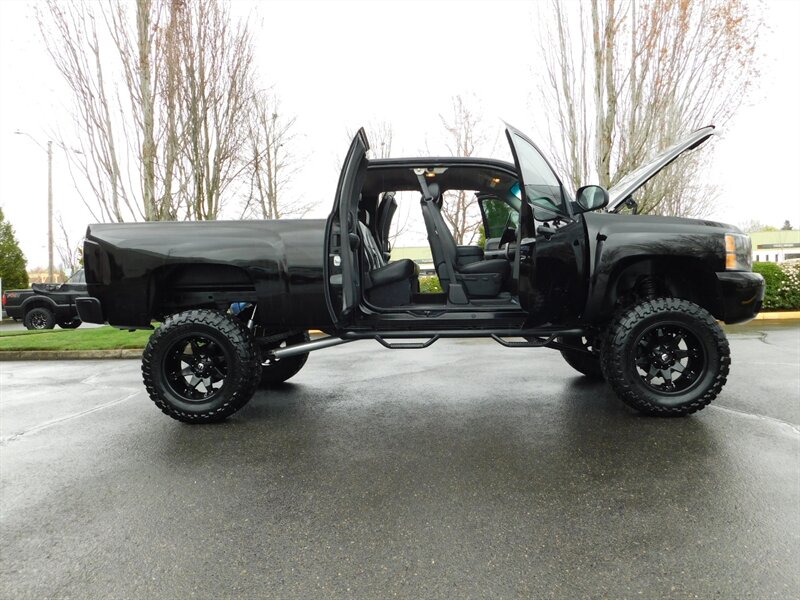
(47, 424)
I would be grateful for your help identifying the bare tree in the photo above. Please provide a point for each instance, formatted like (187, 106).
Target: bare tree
(465, 137)
(624, 79)
(271, 161)
(217, 68)
(159, 90)
(79, 47)
(69, 251)
(380, 136)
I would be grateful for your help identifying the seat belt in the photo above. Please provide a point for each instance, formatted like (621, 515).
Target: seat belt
(428, 205)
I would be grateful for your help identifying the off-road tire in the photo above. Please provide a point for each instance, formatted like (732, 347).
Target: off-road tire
(285, 368)
(239, 351)
(39, 318)
(74, 324)
(587, 364)
(618, 352)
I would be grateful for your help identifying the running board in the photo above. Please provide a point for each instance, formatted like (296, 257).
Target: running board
(530, 343)
(541, 337)
(406, 345)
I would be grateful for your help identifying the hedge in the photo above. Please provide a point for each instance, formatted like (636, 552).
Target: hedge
(783, 285)
(429, 284)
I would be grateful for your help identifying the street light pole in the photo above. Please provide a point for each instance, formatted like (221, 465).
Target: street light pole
(50, 211)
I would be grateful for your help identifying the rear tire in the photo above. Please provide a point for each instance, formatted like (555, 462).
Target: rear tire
(278, 371)
(74, 324)
(200, 366)
(588, 364)
(39, 318)
(665, 357)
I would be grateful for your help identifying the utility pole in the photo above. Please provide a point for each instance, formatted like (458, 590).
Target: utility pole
(50, 211)
(50, 276)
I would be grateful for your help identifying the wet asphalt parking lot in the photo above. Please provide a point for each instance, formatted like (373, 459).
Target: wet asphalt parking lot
(465, 470)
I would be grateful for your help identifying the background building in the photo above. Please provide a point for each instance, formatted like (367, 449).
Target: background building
(775, 246)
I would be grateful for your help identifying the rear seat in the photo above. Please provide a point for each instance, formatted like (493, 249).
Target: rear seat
(386, 284)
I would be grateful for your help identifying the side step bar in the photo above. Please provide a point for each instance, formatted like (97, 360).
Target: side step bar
(536, 338)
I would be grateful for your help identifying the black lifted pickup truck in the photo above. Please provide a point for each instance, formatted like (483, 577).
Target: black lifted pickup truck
(633, 299)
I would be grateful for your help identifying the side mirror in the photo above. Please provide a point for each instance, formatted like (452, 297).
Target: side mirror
(591, 197)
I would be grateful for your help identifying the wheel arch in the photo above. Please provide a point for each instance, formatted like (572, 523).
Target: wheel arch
(684, 277)
(37, 301)
(176, 287)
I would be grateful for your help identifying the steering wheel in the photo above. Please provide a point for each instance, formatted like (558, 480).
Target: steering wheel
(505, 227)
(502, 235)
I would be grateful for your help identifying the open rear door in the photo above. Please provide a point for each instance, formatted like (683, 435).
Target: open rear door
(342, 285)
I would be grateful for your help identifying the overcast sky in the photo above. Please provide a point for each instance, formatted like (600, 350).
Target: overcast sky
(340, 65)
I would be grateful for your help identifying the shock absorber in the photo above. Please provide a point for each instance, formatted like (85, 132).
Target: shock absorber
(648, 287)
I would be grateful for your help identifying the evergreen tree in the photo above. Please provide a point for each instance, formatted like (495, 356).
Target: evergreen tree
(13, 266)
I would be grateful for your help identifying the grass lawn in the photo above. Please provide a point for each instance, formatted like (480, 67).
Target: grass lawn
(96, 338)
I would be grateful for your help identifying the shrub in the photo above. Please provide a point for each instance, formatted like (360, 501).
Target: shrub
(429, 284)
(783, 285)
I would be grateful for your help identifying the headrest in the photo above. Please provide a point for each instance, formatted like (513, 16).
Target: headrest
(433, 190)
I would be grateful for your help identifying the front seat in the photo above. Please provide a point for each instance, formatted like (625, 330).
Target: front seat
(386, 284)
(481, 278)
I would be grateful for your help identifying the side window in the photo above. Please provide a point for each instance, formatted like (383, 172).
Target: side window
(499, 216)
(541, 184)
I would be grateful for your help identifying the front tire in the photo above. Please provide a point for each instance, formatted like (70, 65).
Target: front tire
(278, 371)
(666, 357)
(39, 318)
(200, 366)
(578, 359)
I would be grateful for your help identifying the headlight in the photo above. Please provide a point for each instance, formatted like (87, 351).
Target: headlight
(738, 252)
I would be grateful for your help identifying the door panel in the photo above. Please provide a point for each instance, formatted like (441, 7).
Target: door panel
(560, 270)
(342, 285)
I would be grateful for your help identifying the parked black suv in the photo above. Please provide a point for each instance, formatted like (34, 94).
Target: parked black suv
(629, 298)
(46, 305)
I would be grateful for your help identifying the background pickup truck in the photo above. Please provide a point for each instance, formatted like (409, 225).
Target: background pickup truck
(46, 305)
(632, 299)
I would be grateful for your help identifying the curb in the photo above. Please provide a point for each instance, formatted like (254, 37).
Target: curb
(7, 356)
(778, 316)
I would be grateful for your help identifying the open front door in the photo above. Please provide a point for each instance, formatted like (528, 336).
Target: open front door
(538, 186)
(342, 285)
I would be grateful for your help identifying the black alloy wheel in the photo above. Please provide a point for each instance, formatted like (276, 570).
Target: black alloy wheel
(670, 359)
(195, 367)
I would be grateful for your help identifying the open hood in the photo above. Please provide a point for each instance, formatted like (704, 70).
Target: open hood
(638, 177)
